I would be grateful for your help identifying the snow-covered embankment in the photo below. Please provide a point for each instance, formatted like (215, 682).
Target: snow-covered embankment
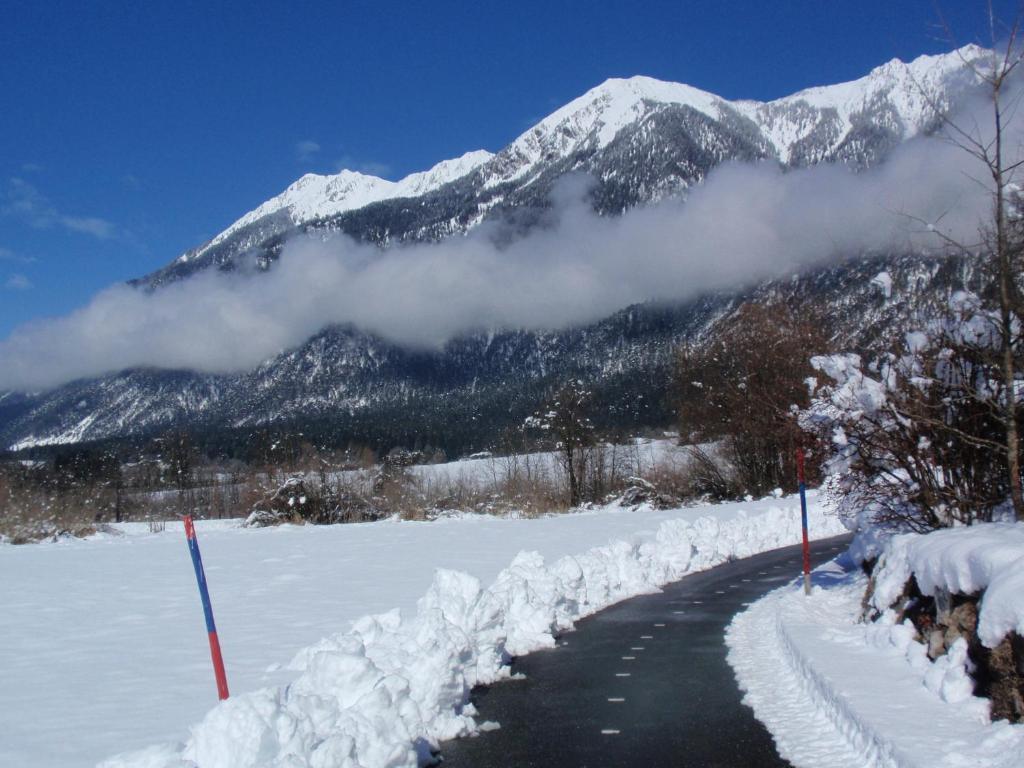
(837, 692)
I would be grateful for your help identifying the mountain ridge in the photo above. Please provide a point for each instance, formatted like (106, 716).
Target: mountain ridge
(783, 130)
(636, 149)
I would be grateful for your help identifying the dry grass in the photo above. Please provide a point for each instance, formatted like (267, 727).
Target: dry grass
(35, 515)
(523, 485)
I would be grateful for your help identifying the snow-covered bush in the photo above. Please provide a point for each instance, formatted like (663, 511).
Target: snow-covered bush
(298, 501)
(916, 435)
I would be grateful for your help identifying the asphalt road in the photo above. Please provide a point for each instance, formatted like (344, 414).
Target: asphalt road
(644, 683)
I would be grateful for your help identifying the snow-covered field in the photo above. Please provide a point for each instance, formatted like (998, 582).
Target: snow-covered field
(835, 692)
(639, 456)
(485, 472)
(103, 649)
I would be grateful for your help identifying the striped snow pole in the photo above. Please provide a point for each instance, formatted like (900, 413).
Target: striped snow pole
(204, 594)
(803, 519)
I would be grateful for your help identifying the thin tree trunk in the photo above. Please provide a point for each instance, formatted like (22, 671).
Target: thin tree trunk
(574, 490)
(1006, 316)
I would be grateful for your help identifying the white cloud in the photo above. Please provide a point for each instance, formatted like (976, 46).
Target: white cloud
(6, 254)
(306, 149)
(18, 282)
(23, 201)
(90, 225)
(368, 167)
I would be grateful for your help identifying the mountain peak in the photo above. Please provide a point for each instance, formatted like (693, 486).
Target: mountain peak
(316, 195)
(594, 119)
(618, 99)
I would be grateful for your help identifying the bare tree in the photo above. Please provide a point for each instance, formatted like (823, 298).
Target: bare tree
(741, 391)
(565, 418)
(1000, 245)
(179, 454)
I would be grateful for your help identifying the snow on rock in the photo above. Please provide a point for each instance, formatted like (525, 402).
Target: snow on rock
(315, 195)
(835, 692)
(963, 561)
(391, 687)
(594, 119)
(902, 83)
(884, 282)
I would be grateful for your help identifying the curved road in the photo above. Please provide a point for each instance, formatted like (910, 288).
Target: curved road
(643, 683)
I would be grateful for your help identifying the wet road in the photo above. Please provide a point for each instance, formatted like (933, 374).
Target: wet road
(643, 683)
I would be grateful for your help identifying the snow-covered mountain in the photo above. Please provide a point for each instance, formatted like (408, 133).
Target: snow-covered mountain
(315, 196)
(640, 139)
(827, 117)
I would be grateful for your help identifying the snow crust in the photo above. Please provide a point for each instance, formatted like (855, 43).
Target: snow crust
(964, 561)
(103, 647)
(835, 692)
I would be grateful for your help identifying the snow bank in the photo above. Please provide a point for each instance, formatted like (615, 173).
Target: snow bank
(963, 561)
(835, 692)
(390, 688)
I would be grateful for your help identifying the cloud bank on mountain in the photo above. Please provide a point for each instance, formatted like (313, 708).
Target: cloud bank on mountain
(744, 224)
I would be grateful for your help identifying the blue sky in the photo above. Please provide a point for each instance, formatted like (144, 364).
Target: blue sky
(133, 131)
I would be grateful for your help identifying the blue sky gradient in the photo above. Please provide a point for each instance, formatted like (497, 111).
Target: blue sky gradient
(133, 131)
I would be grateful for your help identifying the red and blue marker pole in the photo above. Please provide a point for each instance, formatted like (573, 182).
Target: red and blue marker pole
(204, 593)
(803, 519)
